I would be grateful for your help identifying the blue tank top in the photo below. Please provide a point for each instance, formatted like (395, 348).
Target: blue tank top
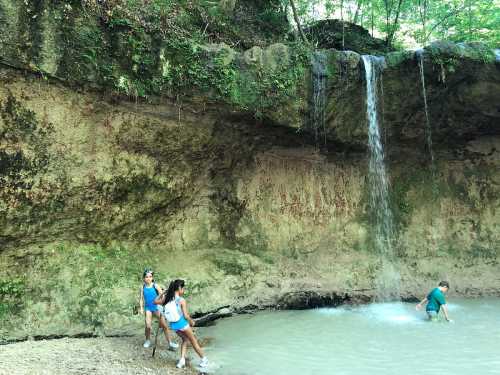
(150, 295)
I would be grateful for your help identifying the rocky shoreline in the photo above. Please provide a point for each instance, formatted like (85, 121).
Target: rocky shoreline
(98, 356)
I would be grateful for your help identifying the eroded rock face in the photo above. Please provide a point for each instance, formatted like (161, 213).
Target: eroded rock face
(462, 82)
(130, 57)
(250, 211)
(248, 215)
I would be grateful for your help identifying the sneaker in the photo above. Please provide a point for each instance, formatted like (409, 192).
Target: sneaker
(147, 344)
(204, 362)
(173, 345)
(181, 363)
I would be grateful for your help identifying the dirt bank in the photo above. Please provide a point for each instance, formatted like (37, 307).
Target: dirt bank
(87, 356)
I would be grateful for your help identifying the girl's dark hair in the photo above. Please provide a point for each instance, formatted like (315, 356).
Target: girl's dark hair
(172, 288)
(146, 271)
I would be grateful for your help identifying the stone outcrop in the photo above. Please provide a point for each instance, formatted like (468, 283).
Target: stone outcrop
(462, 84)
(335, 34)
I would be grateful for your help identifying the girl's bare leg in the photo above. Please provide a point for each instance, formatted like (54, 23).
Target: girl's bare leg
(184, 345)
(188, 332)
(163, 325)
(148, 318)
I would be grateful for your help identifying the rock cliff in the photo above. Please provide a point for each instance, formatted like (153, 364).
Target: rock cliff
(221, 180)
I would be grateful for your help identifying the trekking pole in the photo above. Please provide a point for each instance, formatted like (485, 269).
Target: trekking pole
(156, 338)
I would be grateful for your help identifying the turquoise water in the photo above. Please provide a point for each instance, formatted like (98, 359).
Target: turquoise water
(385, 338)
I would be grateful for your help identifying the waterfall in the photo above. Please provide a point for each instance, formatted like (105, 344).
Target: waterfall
(319, 78)
(428, 130)
(497, 55)
(388, 279)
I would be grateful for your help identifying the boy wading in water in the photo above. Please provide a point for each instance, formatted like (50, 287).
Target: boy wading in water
(149, 292)
(177, 314)
(435, 301)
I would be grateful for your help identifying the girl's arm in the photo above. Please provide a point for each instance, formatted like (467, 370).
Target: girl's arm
(141, 301)
(186, 314)
(160, 298)
(158, 289)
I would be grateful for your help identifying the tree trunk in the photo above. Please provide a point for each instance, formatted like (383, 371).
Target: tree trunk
(297, 21)
(394, 25)
(358, 9)
(343, 24)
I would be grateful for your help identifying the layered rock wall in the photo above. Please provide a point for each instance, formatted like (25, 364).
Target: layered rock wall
(227, 187)
(93, 191)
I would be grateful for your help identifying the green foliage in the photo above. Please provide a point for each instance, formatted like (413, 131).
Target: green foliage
(415, 22)
(261, 88)
(89, 278)
(25, 153)
(233, 263)
(149, 48)
(11, 295)
(11, 289)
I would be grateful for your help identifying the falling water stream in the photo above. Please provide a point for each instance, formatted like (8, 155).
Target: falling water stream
(388, 277)
(319, 79)
(428, 130)
(497, 55)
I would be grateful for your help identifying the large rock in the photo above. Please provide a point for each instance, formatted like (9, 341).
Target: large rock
(347, 36)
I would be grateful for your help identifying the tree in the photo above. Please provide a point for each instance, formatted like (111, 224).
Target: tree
(297, 21)
(421, 20)
(392, 13)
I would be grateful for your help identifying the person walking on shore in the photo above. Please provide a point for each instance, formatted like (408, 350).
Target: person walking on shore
(148, 293)
(176, 312)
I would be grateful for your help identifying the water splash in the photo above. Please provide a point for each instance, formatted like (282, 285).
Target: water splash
(428, 130)
(319, 79)
(391, 312)
(388, 278)
(497, 55)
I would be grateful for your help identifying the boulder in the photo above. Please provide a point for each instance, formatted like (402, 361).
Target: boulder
(344, 36)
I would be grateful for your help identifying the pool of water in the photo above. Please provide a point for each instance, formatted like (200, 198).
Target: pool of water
(386, 338)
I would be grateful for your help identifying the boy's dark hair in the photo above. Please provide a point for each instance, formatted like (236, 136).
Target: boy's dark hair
(444, 284)
(172, 288)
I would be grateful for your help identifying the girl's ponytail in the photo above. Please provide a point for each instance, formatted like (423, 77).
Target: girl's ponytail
(172, 288)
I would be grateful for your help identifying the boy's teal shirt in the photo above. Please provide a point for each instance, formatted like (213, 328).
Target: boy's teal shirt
(435, 300)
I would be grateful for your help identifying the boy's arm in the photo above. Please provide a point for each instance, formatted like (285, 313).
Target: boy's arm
(421, 303)
(444, 307)
(186, 314)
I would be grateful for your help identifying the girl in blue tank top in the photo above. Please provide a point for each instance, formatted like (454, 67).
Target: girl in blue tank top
(183, 326)
(148, 293)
